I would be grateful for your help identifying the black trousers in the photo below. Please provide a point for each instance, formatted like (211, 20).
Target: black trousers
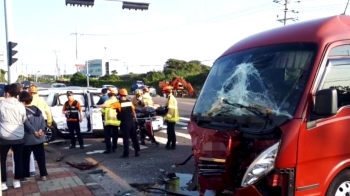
(17, 156)
(39, 154)
(170, 130)
(74, 128)
(111, 132)
(128, 131)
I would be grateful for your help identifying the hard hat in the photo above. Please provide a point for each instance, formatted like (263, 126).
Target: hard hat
(167, 88)
(111, 91)
(33, 89)
(138, 92)
(146, 89)
(123, 92)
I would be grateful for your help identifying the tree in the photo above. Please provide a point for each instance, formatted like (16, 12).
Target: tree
(78, 79)
(114, 72)
(2, 76)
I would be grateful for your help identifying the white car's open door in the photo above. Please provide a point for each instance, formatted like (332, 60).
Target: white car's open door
(95, 113)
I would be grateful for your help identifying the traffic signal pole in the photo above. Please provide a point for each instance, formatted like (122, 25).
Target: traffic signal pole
(8, 48)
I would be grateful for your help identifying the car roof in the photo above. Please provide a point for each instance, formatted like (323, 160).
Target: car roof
(322, 30)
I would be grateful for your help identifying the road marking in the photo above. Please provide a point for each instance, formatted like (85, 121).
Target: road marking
(161, 140)
(178, 134)
(95, 152)
(183, 118)
(112, 175)
(187, 103)
(85, 145)
(181, 123)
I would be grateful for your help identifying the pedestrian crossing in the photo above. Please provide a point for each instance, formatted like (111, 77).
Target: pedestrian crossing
(160, 136)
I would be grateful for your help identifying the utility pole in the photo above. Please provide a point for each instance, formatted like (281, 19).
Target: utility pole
(286, 9)
(57, 66)
(87, 74)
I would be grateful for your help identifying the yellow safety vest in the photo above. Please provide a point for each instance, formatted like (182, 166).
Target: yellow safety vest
(173, 112)
(110, 114)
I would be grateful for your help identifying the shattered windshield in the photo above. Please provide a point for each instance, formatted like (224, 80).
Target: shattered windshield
(270, 78)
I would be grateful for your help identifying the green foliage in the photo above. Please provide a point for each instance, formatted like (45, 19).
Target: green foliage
(193, 71)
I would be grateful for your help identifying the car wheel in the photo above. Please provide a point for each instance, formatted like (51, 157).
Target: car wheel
(340, 184)
(50, 133)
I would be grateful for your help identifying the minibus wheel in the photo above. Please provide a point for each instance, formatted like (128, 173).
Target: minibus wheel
(340, 184)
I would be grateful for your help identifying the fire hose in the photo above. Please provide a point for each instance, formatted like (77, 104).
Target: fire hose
(183, 163)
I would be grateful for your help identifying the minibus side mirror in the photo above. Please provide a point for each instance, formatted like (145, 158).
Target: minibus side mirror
(326, 102)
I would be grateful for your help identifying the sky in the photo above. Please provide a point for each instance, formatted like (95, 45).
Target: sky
(143, 40)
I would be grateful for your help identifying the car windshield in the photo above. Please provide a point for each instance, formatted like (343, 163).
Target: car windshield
(58, 85)
(271, 78)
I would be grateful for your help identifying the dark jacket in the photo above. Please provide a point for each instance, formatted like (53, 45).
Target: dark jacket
(37, 120)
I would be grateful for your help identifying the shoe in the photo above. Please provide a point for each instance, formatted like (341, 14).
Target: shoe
(143, 143)
(43, 178)
(155, 143)
(82, 147)
(4, 186)
(71, 147)
(137, 154)
(16, 184)
(106, 152)
(32, 174)
(167, 145)
(114, 149)
(124, 156)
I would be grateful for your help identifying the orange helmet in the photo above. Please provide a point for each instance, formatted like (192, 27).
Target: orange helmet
(33, 89)
(167, 88)
(146, 89)
(123, 92)
(111, 91)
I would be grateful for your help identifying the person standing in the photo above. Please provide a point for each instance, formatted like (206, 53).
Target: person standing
(13, 123)
(147, 98)
(127, 117)
(101, 101)
(111, 123)
(45, 111)
(73, 112)
(171, 118)
(34, 143)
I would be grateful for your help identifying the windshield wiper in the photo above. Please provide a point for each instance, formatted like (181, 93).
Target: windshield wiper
(251, 109)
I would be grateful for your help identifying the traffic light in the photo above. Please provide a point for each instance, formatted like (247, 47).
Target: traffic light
(80, 3)
(11, 53)
(135, 5)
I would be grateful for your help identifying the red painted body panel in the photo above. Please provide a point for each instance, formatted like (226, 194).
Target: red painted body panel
(317, 154)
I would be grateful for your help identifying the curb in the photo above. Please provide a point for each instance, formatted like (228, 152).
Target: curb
(90, 183)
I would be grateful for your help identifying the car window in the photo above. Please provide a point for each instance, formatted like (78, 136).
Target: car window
(63, 98)
(96, 98)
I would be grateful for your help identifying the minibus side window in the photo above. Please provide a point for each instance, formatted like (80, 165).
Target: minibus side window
(338, 78)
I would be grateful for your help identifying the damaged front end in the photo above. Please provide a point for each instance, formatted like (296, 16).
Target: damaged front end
(230, 162)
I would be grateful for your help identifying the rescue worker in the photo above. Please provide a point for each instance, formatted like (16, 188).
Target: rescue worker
(147, 98)
(171, 118)
(127, 117)
(111, 123)
(137, 100)
(73, 112)
(101, 101)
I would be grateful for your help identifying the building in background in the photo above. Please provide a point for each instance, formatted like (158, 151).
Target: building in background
(100, 67)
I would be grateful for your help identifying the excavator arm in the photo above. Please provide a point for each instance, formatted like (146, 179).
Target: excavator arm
(179, 83)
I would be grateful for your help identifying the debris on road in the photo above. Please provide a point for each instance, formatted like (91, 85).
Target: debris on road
(83, 165)
(183, 163)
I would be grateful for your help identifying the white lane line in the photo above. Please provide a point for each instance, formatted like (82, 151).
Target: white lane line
(181, 123)
(185, 119)
(178, 134)
(85, 145)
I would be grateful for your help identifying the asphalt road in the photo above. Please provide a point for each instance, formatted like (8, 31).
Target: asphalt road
(138, 171)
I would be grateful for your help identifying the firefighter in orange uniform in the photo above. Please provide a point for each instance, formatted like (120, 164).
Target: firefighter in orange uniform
(73, 112)
(127, 117)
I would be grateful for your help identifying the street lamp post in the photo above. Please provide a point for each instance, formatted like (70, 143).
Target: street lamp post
(87, 74)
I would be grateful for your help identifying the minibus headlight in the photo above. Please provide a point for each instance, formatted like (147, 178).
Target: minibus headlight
(261, 166)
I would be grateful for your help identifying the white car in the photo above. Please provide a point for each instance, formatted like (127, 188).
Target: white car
(92, 121)
(58, 85)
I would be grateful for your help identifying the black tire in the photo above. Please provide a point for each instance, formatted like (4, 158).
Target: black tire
(51, 133)
(340, 184)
